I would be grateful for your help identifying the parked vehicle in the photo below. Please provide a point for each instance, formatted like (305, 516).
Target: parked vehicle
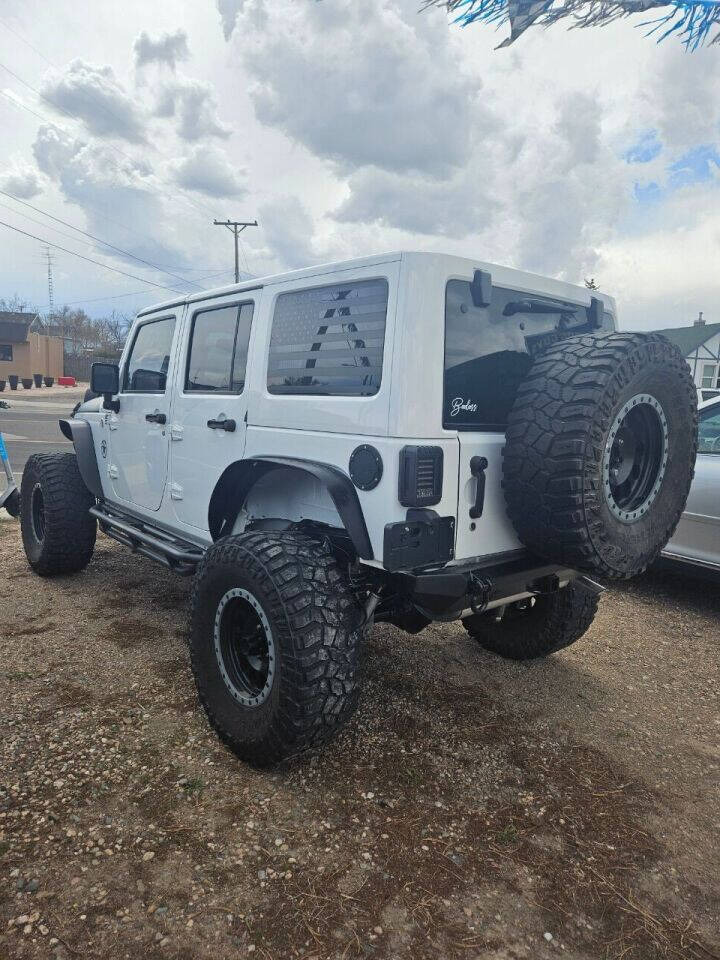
(404, 438)
(696, 541)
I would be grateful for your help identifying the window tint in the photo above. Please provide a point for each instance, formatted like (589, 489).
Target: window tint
(6, 351)
(149, 360)
(489, 350)
(218, 349)
(709, 432)
(329, 341)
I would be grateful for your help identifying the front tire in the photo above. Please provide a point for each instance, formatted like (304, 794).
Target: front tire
(538, 626)
(276, 644)
(57, 529)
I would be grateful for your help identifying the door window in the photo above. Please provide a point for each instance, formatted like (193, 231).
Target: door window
(709, 432)
(147, 366)
(217, 356)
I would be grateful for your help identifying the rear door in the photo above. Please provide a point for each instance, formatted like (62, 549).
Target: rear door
(488, 353)
(138, 449)
(209, 421)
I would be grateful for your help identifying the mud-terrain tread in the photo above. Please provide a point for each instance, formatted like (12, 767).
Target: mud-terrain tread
(556, 426)
(319, 636)
(70, 530)
(556, 621)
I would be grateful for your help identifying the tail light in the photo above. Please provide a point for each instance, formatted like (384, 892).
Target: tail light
(420, 479)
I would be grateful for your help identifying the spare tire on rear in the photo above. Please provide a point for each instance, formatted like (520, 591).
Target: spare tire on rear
(600, 451)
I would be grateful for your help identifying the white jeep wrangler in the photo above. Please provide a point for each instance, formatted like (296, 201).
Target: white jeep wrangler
(402, 438)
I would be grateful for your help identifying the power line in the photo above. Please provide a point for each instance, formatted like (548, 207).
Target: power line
(119, 296)
(97, 263)
(85, 233)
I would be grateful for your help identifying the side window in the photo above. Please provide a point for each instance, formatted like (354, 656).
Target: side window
(709, 431)
(328, 341)
(6, 351)
(710, 376)
(217, 356)
(149, 360)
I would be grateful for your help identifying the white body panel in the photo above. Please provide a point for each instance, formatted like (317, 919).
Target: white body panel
(170, 481)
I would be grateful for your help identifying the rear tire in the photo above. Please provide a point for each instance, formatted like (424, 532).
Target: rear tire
(276, 644)
(538, 626)
(57, 529)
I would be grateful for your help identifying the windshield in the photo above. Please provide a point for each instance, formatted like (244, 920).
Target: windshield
(489, 350)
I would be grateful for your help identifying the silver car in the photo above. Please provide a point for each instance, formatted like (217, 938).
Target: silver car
(697, 538)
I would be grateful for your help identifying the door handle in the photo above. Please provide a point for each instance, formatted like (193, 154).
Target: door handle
(478, 466)
(227, 425)
(156, 418)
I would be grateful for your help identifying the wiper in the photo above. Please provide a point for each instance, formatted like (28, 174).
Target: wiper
(537, 306)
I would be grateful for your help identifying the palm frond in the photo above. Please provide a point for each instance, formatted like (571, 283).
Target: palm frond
(694, 22)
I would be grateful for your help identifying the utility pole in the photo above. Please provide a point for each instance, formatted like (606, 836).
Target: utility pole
(236, 227)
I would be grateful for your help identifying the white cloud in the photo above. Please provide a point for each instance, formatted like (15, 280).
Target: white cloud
(229, 10)
(167, 49)
(288, 231)
(357, 83)
(682, 92)
(207, 170)
(22, 182)
(192, 103)
(122, 200)
(93, 94)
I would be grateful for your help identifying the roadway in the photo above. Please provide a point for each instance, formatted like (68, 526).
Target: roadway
(30, 425)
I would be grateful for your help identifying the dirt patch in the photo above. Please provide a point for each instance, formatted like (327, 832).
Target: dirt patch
(474, 808)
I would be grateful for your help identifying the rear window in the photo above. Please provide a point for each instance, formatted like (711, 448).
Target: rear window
(489, 350)
(328, 341)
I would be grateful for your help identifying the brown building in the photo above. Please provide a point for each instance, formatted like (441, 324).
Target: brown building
(25, 353)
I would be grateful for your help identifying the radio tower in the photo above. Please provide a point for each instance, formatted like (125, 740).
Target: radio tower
(51, 290)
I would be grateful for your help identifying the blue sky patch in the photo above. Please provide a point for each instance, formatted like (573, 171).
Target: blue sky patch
(696, 166)
(647, 192)
(646, 149)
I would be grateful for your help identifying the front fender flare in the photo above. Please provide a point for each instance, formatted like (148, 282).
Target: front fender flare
(80, 432)
(226, 502)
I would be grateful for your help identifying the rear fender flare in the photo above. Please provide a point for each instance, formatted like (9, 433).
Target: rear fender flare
(239, 478)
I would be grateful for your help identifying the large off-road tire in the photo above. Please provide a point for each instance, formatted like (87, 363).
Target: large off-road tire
(538, 626)
(57, 529)
(276, 644)
(600, 451)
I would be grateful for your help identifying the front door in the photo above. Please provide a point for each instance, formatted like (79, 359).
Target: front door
(138, 454)
(209, 423)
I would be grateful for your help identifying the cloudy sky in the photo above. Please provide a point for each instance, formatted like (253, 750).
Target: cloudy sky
(350, 127)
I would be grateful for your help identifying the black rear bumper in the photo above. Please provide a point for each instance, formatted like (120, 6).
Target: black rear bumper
(447, 592)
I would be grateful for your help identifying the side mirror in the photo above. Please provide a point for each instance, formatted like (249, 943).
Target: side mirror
(105, 380)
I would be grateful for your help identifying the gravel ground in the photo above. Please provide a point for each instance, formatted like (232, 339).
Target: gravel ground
(474, 808)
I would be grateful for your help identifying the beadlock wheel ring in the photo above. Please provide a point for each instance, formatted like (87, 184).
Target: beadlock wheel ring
(244, 647)
(635, 458)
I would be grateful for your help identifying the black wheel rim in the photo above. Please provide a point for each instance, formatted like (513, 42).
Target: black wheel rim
(244, 647)
(635, 458)
(37, 512)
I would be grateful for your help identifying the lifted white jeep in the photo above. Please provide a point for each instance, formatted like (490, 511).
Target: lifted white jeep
(402, 438)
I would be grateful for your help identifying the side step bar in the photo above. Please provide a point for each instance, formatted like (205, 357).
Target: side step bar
(177, 555)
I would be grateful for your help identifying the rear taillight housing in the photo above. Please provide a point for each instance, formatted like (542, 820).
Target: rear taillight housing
(420, 476)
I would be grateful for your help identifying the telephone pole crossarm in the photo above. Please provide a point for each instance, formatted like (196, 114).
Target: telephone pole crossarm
(236, 227)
